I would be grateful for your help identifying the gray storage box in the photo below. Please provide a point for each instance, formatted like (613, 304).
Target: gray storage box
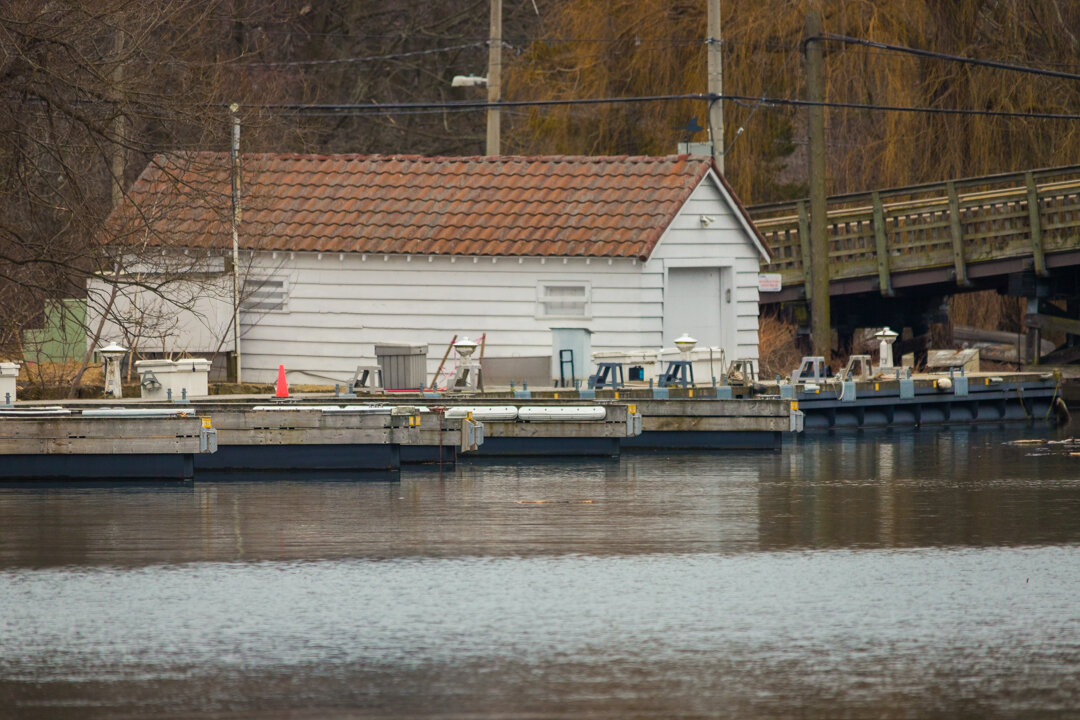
(404, 367)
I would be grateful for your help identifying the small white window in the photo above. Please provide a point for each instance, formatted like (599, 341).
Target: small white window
(265, 295)
(563, 300)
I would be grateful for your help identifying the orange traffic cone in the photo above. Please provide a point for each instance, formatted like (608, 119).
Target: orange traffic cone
(282, 387)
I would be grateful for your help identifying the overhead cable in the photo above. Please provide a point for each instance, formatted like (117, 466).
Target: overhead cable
(367, 58)
(457, 105)
(944, 56)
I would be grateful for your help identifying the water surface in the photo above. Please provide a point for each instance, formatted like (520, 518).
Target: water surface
(892, 574)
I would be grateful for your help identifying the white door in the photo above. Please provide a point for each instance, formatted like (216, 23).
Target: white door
(692, 305)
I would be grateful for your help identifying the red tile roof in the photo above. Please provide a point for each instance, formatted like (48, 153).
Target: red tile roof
(533, 206)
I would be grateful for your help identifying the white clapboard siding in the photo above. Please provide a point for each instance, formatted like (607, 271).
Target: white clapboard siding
(721, 239)
(196, 319)
(341, 308)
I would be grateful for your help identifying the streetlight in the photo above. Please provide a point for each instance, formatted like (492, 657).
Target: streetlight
(469, 81)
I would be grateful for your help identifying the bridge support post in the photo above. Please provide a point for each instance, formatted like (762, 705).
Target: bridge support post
(804, 247)
(881, 247)
(1035, 224)
(957, 236)
(1033, 336)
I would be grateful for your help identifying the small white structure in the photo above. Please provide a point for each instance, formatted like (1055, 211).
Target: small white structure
(709, 363)
(886, 338)
(467, 375)
(340, 253)
(112, 355)
(966, 360)
(9, 373)
(685, 345)
(174, 380)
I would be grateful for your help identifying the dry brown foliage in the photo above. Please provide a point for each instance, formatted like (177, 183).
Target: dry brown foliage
(987, 310)
(606, 48)
(777, 353)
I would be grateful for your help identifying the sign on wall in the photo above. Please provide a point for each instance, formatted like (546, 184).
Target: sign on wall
(768, 282)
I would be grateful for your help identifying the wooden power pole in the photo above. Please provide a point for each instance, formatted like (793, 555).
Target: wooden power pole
(716, 85)
(236, 216)
(819, 245)
(494, 77)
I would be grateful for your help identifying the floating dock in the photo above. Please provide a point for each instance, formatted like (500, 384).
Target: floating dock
(571, 429)
(351, 438)
(705, 423)
(637, 419)
(110, 444)
(927, 400)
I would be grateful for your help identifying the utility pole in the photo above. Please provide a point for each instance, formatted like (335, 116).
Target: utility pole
(236, 237)
(819, 244)
(716, 85)
(118, 154)
(494, 77)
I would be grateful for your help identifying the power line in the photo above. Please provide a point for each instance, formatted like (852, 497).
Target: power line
(458, 105)
(367, 58)
(944, 56)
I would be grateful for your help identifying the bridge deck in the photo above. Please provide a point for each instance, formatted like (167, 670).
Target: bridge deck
(927, 234)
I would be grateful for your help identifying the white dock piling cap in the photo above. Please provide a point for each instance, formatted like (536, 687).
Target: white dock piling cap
(465, 347)
(886, 334)
(685, 343)
(113, 350)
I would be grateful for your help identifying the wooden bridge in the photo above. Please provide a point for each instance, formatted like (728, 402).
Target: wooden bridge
(960, 233)
(895, 254)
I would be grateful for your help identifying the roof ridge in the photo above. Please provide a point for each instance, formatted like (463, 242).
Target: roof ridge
(492, 159)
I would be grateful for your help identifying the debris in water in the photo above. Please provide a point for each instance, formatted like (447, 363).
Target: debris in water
(549, 502)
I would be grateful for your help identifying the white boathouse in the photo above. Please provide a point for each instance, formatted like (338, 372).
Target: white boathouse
(340, 253)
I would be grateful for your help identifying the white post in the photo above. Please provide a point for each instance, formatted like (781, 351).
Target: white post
(112, 354)
(886, 337)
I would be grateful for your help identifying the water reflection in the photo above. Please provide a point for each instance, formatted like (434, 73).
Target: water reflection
(965, 486)
(885, 490)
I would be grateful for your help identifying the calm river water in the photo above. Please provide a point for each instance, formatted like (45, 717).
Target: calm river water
(924, 574)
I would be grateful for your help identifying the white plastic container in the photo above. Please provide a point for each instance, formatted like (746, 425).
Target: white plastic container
(490, 413)
(137, 412)
(9, 373)
(544, 413)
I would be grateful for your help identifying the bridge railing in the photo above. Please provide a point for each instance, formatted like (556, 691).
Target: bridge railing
(920, 227)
